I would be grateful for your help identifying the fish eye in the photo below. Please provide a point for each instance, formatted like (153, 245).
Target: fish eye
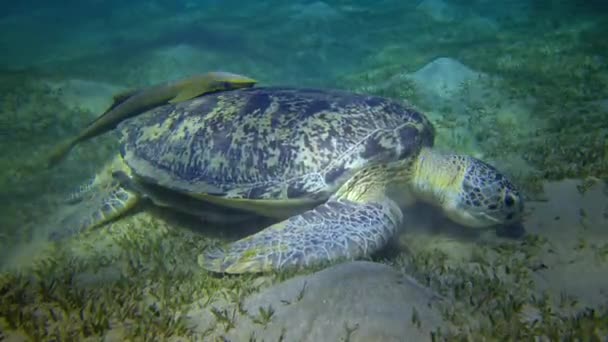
(509, 201)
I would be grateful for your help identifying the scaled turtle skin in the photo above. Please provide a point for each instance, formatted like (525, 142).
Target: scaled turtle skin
(332, 169)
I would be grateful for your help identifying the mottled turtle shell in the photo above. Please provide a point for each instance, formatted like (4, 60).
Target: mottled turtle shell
(269, 142)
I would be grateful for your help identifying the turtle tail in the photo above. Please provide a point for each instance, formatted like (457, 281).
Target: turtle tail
(103, 204)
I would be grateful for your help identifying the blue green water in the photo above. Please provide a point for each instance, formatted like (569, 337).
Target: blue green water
(522, 85)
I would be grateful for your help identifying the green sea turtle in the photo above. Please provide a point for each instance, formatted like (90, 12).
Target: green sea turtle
(133, 102)
(331, 168)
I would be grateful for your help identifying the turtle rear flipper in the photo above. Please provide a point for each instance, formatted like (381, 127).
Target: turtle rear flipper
(103, 205)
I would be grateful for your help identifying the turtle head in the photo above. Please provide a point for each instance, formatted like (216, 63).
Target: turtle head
(470, 191)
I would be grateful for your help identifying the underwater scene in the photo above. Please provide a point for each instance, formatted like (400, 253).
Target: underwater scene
(338, 170)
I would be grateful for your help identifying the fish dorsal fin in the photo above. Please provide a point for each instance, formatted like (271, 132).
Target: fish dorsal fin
(121, 97)
(188, 92)
(117, 99)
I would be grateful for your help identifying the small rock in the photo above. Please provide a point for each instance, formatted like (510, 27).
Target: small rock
(439, 10)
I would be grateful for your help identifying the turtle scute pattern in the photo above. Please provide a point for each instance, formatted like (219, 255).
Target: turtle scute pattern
(270, 143)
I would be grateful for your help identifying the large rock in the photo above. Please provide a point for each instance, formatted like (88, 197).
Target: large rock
(376, 302)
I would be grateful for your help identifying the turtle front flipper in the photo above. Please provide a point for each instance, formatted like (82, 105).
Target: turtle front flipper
(103, 204)
(80, 192)
(337, 229)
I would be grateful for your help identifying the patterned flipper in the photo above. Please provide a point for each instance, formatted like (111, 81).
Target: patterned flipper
(338, 229)
(102, 204)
